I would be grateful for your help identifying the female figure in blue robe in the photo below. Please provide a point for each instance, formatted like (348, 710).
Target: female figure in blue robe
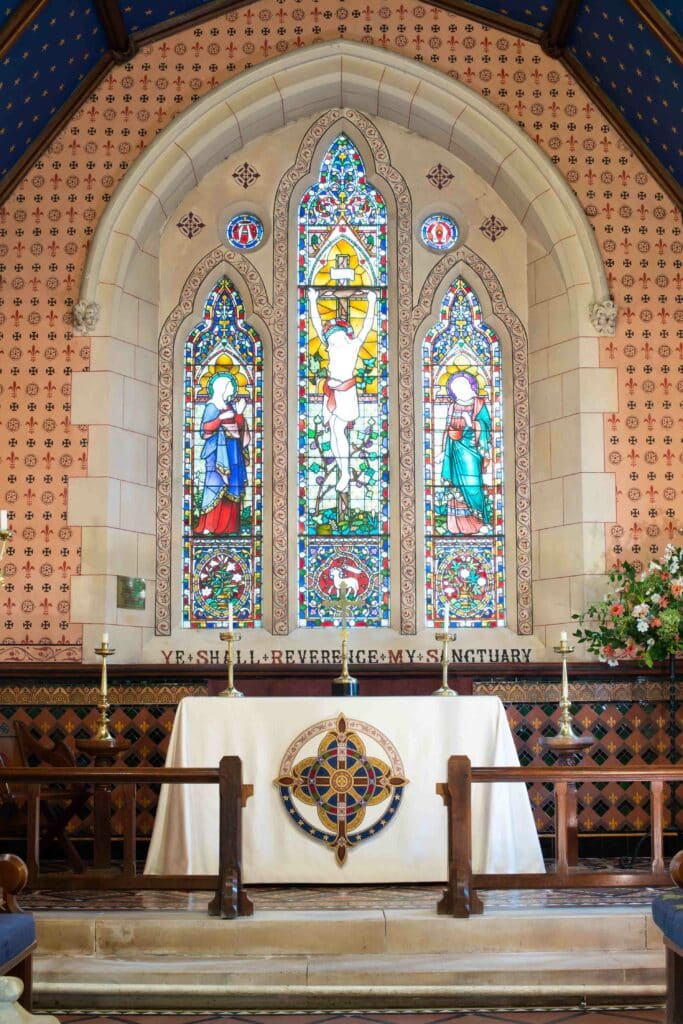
(466, 445)
(226, 435)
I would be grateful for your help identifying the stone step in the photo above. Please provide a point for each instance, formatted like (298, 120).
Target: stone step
(348, 981)
(347, 959)
(367, 932)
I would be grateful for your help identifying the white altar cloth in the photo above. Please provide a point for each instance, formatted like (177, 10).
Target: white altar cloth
(412, 848)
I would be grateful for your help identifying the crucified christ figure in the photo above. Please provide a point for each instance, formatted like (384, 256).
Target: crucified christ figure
(340, 407)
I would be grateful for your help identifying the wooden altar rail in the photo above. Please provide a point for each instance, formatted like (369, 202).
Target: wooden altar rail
(229, 901)
(460, 899)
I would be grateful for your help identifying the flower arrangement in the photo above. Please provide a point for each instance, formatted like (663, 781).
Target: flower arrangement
(642, 616)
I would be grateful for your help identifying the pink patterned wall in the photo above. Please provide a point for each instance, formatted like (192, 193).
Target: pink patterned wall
(46, 226)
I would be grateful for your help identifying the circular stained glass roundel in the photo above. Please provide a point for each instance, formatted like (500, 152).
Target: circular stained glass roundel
(245, 231)
(439, 232)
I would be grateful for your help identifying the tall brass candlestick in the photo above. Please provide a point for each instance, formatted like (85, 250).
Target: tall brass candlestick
(444, 639)
(103, 725)
(231, 638)
(345, 685)
(564, 648)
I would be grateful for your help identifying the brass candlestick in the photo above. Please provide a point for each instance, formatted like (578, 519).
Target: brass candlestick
(564, 648)
(231, 637)
(345, 685)
(103, 725)
(444, 639)
(4, 537)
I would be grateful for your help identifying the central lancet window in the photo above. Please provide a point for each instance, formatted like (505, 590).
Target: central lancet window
(343, 517)
(464, 536)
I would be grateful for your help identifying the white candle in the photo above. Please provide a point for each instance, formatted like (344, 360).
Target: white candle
(563, 637)
(105, 639)
(230, 618)
(3, 519)
(446, 617)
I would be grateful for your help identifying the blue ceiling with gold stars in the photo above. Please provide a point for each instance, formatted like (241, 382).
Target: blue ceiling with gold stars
(629, 48)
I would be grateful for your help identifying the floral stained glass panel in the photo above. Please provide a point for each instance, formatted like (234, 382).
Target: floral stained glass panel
(343, 439)
(222, 498)
(464, 513)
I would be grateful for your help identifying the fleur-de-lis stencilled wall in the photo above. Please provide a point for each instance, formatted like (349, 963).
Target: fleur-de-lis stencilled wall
(46, 226)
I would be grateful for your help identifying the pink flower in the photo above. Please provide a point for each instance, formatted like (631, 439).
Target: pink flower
(616, 609)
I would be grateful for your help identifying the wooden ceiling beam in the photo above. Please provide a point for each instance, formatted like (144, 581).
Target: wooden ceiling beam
(492, 18)
(54, 127)
(17, 23)
(111, 18)
(554, 41)
(659, 26)
(463, 8)
(611, 113)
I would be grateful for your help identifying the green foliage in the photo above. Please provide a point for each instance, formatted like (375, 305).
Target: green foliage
(641, 616)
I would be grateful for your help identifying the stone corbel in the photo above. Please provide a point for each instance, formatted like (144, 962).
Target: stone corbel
(603, 317)
(85, 317)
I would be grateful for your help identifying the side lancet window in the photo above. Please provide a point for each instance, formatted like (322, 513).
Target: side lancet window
(463, 465)
(343, 441)
(223, 448)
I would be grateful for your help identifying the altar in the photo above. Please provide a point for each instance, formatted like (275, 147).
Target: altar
(344, 789)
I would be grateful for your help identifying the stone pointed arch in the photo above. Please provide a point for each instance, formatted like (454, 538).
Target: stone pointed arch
(122, 277)
(375, 81)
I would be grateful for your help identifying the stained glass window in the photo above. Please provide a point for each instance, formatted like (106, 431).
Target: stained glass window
(463, 465)
(222, 499)
(343, 439)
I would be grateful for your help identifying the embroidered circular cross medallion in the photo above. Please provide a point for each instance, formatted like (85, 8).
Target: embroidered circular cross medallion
(341, 781)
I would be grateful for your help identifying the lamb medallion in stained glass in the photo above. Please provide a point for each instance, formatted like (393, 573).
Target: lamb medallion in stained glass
(464, 512)
(222, 503)
(343, 436)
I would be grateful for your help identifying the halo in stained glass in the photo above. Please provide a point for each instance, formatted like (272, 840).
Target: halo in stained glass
(245, 231)
(439, 232)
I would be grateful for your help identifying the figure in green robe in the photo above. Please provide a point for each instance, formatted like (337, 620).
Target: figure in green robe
(466, 446)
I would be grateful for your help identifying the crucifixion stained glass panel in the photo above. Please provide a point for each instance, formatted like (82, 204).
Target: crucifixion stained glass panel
(343, 438)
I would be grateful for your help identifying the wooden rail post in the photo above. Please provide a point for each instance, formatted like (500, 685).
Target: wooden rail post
(230, 900)
(657, 823)
(459, 899)
(129, 830)
(33, 831)
(561, 828)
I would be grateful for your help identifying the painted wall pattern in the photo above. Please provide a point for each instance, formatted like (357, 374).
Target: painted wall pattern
(46, 226)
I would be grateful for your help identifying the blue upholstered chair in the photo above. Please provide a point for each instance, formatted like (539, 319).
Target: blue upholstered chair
(17, 929)
(667, 912)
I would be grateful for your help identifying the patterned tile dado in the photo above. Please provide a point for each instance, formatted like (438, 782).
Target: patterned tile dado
(46, 226)
(626, 731)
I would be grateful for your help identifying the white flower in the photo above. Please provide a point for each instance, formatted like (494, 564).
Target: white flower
(641, 625)
(640, 610)
(655, 598)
